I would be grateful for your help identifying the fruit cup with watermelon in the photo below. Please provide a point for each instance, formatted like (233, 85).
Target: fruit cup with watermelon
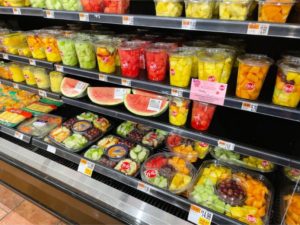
(129, 54)
(156, 63)
(106, 56)
(116, 6)
(92, 5)
(178, 111)
(202, 115)
(85, 52)
(143, 44)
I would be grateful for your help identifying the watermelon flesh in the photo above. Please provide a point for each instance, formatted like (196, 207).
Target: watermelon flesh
(145, 105)
(73, 88)
(108, 96)
(147, 93)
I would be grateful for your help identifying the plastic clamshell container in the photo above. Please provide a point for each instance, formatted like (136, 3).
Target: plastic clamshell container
(128, 167)
(204, 192)
(94, 153)
(234, 9)
(38, 108)
(13, 117)
(16, 73)
(168, 171)
(170, 8)
(289, 202)
(40, 126)
(125, 128)
(247, 162)
(292, 173)
(201, 9)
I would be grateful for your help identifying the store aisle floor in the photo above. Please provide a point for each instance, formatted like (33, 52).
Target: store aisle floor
(15, 210)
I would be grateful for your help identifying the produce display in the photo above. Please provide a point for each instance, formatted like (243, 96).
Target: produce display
(202, 9)
(13, 41)
(274, 11)
(108, 96)
(292, 173)
(234, 9)
(73, 88)
(13, 117)
(168, 171)
(248, 162)
(238, 194)
(202, 114)
(40, 126)
(71, 5)
(178, 111)
(54, 4)
(292, 208)
(172, 8)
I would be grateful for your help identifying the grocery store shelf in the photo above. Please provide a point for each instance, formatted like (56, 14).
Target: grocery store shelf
(26, 60)
(21, 11)
(15, 134)
(272, 156)
(22, 86)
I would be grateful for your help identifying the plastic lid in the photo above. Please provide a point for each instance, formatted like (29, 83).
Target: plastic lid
(181, 52)
(199, 43)
(289, 65)
(213, 54)
(256, 60)
(276, 2)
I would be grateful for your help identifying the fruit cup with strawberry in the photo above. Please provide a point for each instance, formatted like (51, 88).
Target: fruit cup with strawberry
(106, 56)
(202, 115)
(156, 63)
(178, 111)
(116, 6)
(129, 54)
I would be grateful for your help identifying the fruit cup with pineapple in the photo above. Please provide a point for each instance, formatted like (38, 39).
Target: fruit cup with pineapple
(129, 54)
(50, 45)
(287, 87)
(202, 114)
(171, 8)
(29, 76)
(234, 9)
(202, 9)
(15, 70)
(106, 52)
(252, 72)
(36, 45)
(178, 111)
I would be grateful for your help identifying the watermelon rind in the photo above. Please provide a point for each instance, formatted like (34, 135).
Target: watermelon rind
(146, 114)
(112, 102)
(80, 94)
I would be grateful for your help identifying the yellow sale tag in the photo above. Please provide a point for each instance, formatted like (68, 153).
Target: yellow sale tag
(86, 167)
(200, 216)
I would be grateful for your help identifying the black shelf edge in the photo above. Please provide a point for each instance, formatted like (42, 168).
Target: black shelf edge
(24, 11)
(40, 92)
(161, 194)
(15, 134)
(272, 156)
(26, 60)
(231, 102)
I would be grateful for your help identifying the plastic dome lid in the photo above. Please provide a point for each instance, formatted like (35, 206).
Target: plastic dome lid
(256, 60)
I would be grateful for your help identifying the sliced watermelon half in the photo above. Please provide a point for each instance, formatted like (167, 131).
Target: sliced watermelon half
(145, 105)
(73, 88)
(147, 93)
(108, 96)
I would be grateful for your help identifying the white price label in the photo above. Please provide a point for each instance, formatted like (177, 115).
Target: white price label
(19, 135)
(59, 68)
(226, 145)
(5, 56)
(103, 77)
(176, 92)
(258, 28)
(43, 93)
(80, 86)
(32, 62)
(16, 86)
(188, 24)
(126, 82)
(143, 187)
(86, 167)
(200, 216)
(128, 20)
(249, 106)
(51, 149)
(119, 93)
(84, 17)
(17, 11)
(154, 104)
(49, 14)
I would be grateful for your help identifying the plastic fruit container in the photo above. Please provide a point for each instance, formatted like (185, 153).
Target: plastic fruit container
(181, 63)
(106, 52)
(66, 46)
(13, 41)
(234, 9)
(42, 78)
(248, 162)
(16, 3)
(286, 92)
(194, 51)
(292, 174)
(202, 115)
(168, 171)
(156, 63)
(54, 4)
(276, 11)
(16, 72)
(249, 198)
(178, 111)
(116, 6)
(85, 53)
(92, 5)
(290, 198)
(38, 3)
(29, 76)
(4, 71)
(50, 45)
(129, 54)
(202, 9)
(36, 45)
(71, 5)
(253, 70)
(55, 81)
(171, 8)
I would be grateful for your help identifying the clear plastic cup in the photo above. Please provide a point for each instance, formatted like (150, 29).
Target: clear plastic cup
(16, 72)
(29, 75)
(54, 4)
(181, 63)
(276, 11)
(24, 51)
(50, 45)
(129, 54)
(171, 8)
(202, 115)
(85, 51)
(41, 78)
(66, 46)
(36, 45)
(253, 70)
(106, 55)
(143, 45)
(71, 5)
(156, 63)
(234, 9)
(195, 51)
(286, 92)
(4, 71)
(202, 9)
(92, 5)
(38, 3)
(55, 81)
(14, 40)
(178, 111)
(116, 6)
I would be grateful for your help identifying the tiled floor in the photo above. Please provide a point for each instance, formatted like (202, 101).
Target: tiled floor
(15, 210)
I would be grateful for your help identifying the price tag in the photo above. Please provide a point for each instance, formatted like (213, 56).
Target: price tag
(188, 24)
(249, 106)
(103, 77)
(119, 93)
(5, 56)
(86, 167)
(80, 86)
(16, 86)
(49, 14)
(154, 105)
(32, 62)
(19, 135)
(128, 20)
(143, 187)
(226, 145)
(200, 216)
(258, 28)
(84, 17)
(176, 92)
(43, 93)
(51, 149)
(59, 68)
(17, 11)
(126, 82)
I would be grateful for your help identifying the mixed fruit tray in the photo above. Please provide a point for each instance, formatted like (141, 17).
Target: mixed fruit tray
(235, 192)
(43, 106)
(290, 205)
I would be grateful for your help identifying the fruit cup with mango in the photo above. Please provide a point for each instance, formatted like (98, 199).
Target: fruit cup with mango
(129, 54)
(275, 11)
(202, 9)
(92, 5)
(116, 6)
(171, 8)
(252, 72)
(85, 51)
(234, 9)
(106, 55)
(156, 63)
(178, 111)
(4, 71)
(50, 46)
(287, 87)
(36, 45)
(202, 114)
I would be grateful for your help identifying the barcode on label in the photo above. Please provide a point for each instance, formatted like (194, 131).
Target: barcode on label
(249, 106)
(19, 135)
(17, 11)
(42, 93)
(188, 24)
(51, 149)
(5, 56)
(258, 28)
(176, 92)
(154, 104)
(128, 20)
(16, 86)
(32, 62)
(226, 145)
(103, 77)
(206, 214)
(119, 93)
(143, 187)
(84, 17)
(80, 86)
(200, 216)
(59, 68)
(49, 14)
